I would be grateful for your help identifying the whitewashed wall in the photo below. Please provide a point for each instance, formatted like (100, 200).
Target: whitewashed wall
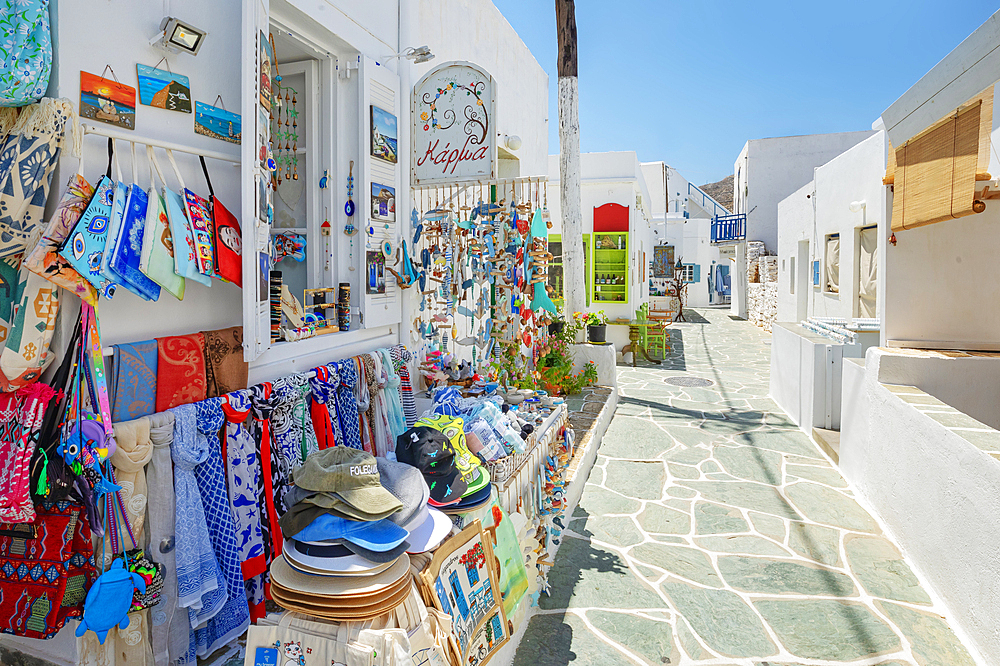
(822, 207)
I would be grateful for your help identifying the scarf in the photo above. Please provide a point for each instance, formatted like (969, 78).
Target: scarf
(369, 391)
(225, 369)
(272, 488)
(393, 398)
(133, 382)
(200, 585)
(380, 420)
(347, 402)
(244, 475)
(291, 422)
(323, 407)
(168, 627)
(234, 618)
(180, 378)
(20, 419)
(401, 359)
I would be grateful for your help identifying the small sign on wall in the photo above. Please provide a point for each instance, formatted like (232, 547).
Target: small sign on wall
(816, 273)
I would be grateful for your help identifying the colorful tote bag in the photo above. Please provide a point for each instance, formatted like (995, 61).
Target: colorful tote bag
(25, 51)
(28, 156)
(227, 239)
(133, 381)
(127, 248)
(114, 224)
(185, 250)
(44, 259)
(26, 353)
(201, 228)
(157, 258)
(9, 294)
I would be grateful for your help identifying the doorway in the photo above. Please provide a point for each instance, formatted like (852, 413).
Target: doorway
(867, 272)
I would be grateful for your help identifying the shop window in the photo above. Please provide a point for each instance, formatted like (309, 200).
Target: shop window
(831, 279)
(557, 284)
(691, 273)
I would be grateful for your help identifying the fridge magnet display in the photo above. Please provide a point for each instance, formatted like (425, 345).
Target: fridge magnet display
(163, 89)
(217, 123)
(463, 581)
(383, 202)
(265, 72)
(375, 284)
(383, 135)
(107, 100)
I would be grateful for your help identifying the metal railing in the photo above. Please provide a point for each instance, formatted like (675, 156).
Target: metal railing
(703, 199)
(729, 228)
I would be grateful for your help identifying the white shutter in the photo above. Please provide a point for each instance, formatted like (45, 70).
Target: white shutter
(379, 87)
(256, 230)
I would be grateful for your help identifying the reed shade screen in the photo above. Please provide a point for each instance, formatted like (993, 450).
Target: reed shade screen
(936, 171)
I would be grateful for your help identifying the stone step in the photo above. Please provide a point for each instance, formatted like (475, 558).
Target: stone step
(829, 441)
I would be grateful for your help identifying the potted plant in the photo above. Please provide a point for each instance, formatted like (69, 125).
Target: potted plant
(597, 325)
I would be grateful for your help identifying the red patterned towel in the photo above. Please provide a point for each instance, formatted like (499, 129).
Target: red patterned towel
(180, 371)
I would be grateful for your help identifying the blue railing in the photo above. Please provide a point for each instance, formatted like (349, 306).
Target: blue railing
(702, 198)
(729, 228)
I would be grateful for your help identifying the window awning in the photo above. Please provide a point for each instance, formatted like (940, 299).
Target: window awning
(935, 172)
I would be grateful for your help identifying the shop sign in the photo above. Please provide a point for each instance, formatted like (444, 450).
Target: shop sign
(453, 133)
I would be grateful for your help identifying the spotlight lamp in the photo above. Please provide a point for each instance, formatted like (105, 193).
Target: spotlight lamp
(176, 36)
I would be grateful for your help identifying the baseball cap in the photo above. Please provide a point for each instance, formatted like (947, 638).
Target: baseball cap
(426, 449)
(333, 548)
(378, 535)
(452, 428)
(427, 527)
(348, 565)
(471, 502)
(350, 473)
(481, 481)
(336, 586)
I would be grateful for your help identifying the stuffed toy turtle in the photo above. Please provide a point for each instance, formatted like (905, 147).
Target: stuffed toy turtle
(109, 599)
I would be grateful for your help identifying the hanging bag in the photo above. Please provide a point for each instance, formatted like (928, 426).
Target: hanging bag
(157, 258)
(199, 214)
(26, 51)
(26, 353)
(227, 238)
(185, 251)
(84, 248)
(125, 248)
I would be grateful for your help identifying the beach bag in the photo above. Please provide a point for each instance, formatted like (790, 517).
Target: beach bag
(26, 353)
(124, 249)
(44, 259)
(25, 51)
(28, 155)
(185, 250)
(157, 258)
(346, 644)
(227, 238)
(84, 247)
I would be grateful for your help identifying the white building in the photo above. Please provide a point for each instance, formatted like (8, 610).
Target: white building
(767, 171)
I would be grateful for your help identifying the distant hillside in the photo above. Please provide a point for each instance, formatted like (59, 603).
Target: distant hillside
(721, 191)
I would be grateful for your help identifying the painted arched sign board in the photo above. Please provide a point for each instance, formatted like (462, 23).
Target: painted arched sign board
(453, 134)
(610, 217)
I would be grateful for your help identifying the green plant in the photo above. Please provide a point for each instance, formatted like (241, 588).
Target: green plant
(591, 318)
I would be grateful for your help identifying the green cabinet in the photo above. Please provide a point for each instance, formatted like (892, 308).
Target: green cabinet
(608, 278)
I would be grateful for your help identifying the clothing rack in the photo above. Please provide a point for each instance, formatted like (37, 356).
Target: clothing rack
(119, 135)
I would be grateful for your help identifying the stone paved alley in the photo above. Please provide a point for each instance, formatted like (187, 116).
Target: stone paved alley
(712, 531)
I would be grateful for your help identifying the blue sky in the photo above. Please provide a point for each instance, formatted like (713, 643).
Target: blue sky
(690, 82)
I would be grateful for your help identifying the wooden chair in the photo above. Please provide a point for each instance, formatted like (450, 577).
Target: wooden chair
(656, 338)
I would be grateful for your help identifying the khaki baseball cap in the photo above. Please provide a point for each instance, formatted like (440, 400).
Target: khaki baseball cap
(350, 473)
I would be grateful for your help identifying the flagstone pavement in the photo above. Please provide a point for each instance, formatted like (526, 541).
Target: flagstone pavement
(712, 531)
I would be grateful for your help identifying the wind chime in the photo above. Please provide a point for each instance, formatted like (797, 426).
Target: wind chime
(349, 228)
(285, 134)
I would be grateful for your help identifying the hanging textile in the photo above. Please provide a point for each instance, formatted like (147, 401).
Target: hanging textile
(868, 273)
(27, 353)
(323, 408)
(169, 624)
(28, 157)
(9, 282)
(20, 420)
(46, 568)
(201, 587)
(225, 369)
(832, 263)
(378, 410)
(347, 402)
(180, 371)
(291, 422)
(133, 381)
(27, 51)
(393, 398)
(271, 488)
(364, 398)
(244, 475)
(234, 617)
(401, 358)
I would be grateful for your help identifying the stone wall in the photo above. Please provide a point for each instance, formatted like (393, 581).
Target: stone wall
(762, 286)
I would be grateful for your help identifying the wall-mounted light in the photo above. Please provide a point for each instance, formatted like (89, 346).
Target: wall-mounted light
(179, 37)
(858, 206)
(417, 54)
(512, 142)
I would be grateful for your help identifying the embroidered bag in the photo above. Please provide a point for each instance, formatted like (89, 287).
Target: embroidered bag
(227, 239)
(125, 247)
(151, 572)
(157, 259)
(44, 259)
(84, 247)
(26, 51)
(26, 353)
(185, 251)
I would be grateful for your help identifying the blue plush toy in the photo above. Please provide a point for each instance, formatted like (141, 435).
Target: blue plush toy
(109, 599)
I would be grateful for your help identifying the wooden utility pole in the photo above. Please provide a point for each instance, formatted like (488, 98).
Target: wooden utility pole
(571, 203)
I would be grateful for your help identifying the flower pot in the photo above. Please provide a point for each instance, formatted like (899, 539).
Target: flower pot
(556, 327)
(596, 333)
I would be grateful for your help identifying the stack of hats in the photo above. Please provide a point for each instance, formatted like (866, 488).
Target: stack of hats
(351, 522)
(435, 445)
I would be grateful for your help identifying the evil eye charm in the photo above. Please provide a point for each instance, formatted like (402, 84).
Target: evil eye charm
(94, 262)
(98, 224)
(272, 166)
(349, 208)
(79, 245)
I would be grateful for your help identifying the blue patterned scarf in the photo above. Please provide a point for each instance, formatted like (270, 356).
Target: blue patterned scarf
(134, 381)
(347, 402)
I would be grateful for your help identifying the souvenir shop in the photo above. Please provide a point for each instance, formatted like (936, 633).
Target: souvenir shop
(366, 469)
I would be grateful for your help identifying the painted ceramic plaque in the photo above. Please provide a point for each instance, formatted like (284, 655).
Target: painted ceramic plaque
(107, 101)
(266, 58)
(375, 265)
(383, 135)
(383, 202)
(217, 123)
(163, 89)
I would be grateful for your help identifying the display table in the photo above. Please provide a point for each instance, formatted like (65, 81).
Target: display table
(603, 356)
